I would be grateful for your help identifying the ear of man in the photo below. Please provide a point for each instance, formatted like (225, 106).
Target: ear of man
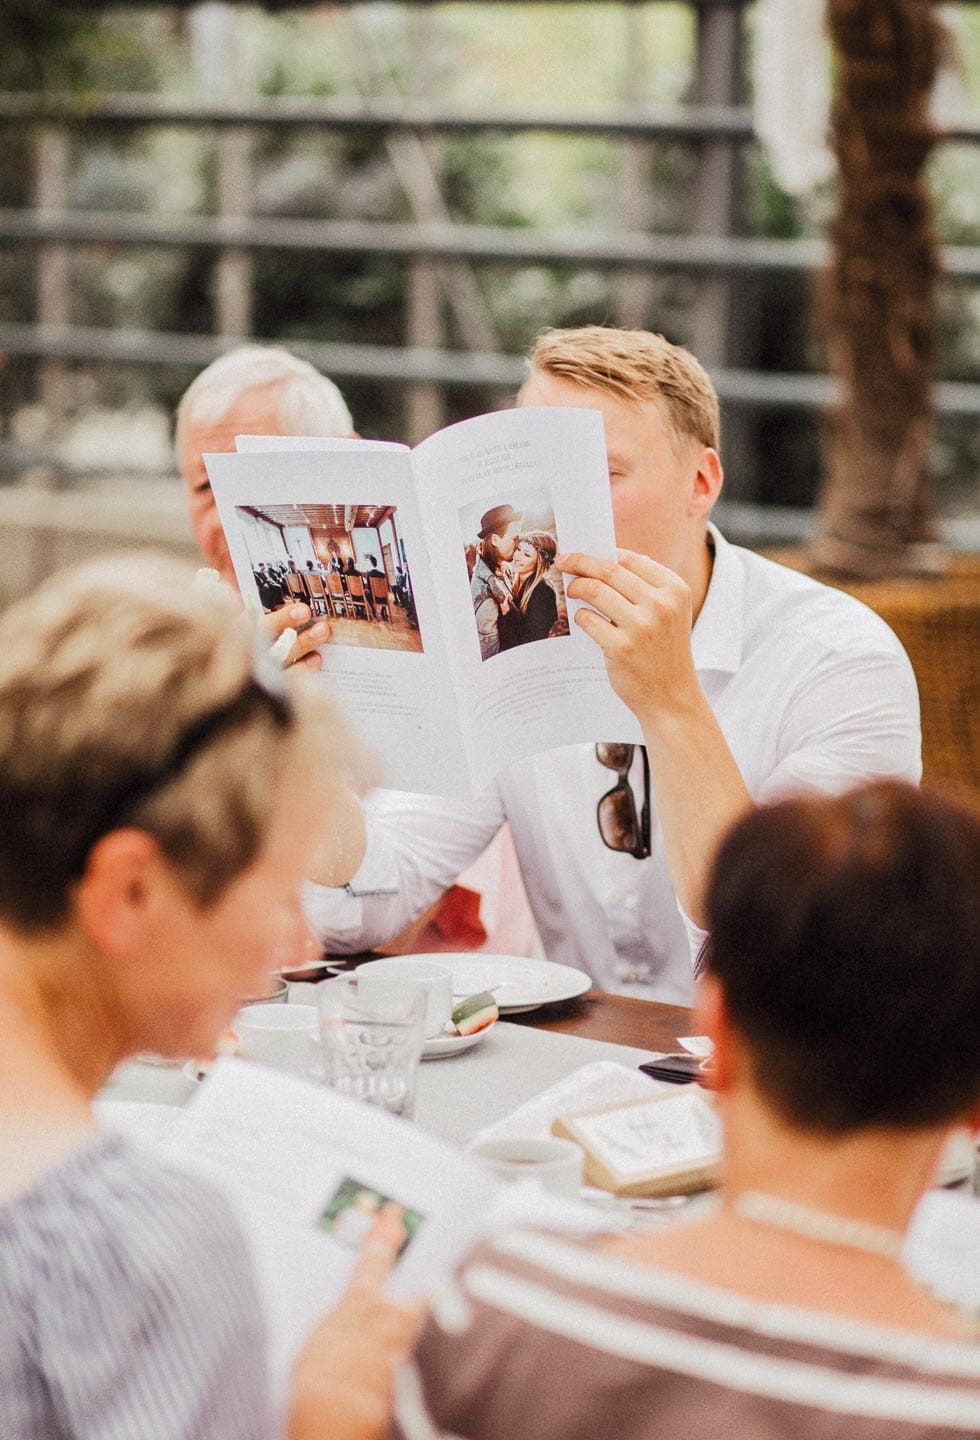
(122, 898)
(707, 483)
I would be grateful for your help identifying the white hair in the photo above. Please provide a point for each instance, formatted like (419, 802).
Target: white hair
(307, 403)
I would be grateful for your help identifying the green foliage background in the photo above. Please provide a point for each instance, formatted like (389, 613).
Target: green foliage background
(572, 57)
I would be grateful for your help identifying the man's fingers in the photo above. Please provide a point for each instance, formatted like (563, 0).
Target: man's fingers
(649, 570)
(379, 1250)
(610, 573)
(287, 617)
(312, 661)
(610, 603)
(307, 641)
(641, 566)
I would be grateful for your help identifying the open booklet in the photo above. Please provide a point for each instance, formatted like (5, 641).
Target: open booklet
(306, 1170)
(454, 645)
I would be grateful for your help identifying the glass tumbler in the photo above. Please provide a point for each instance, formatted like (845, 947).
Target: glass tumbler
(372, 1045)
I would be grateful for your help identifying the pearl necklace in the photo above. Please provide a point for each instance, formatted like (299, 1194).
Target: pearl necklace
(779, 1214)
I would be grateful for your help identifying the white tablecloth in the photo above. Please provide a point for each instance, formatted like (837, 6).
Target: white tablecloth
(455, 1096)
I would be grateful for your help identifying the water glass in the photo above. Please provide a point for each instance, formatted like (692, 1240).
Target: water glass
(372, 1043)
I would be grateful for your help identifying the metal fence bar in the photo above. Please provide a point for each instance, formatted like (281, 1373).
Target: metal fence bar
(694, 253)
(774, 390)
(693, 123)
(273, 5)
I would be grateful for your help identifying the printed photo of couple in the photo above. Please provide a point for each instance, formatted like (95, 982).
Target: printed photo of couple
(510, 550)
(353, 1208)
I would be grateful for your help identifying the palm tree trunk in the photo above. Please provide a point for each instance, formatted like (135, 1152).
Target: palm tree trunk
(877, 508)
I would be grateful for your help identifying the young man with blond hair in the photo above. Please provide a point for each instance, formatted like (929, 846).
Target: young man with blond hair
(749, 681)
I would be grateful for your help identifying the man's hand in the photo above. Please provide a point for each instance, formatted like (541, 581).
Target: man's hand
(342, 1380)
(644, 632)
(304, 648)
(643, 629)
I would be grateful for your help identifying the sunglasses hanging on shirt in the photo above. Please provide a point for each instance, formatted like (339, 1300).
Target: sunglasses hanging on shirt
(621, 826)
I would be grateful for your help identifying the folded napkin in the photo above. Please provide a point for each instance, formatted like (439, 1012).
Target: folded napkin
(603, 1082)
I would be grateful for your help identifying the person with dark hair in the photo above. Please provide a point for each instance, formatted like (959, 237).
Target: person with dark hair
(534, 608)
(489, 590)
(269, 587)
(842, 994)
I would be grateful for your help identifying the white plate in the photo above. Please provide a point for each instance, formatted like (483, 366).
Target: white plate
(518, 982)
(442, 1046)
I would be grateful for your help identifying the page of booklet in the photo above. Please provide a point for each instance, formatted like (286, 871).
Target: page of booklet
(447, 719)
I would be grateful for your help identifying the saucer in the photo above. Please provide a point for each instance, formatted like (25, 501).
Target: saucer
(440, 1047)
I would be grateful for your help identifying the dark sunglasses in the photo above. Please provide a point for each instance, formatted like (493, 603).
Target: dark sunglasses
(121, 800)
(620, 826)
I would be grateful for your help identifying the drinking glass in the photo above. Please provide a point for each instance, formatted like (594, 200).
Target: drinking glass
(372, 1044)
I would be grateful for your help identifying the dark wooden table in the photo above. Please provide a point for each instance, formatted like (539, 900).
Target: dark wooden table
(596, 1015)
(618, 1018)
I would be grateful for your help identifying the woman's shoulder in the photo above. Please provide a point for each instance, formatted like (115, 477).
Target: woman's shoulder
(110, 1208)
(126, 1290)
(543, 1331)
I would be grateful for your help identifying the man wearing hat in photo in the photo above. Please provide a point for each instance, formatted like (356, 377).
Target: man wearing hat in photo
(498, 539)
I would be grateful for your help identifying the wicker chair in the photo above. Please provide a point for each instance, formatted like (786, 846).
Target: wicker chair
(938, 622)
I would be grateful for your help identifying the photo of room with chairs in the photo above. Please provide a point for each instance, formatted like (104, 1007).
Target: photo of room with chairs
(347, 562)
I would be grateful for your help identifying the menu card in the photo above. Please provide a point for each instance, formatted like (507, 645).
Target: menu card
(669, 1144)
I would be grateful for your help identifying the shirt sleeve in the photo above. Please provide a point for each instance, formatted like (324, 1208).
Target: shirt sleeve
(854, 717)
(487, 616)
(147, 1321)
(416, 847)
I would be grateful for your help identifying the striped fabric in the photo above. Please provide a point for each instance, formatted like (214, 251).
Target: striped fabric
(542, 1337)
(127, 1308)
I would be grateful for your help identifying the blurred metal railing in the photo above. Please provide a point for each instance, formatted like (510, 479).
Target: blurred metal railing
(440, 252)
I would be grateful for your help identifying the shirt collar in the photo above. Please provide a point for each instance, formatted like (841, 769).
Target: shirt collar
(716, 641)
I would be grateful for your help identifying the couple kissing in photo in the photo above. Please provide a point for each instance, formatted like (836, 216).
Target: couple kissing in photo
(514, 601)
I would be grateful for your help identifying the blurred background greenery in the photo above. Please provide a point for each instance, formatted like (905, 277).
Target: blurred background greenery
(464, 55)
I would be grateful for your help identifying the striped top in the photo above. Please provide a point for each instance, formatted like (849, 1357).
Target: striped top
(543, 1337)
(127, 1307)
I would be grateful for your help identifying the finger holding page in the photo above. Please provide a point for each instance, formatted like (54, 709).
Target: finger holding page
(642, 624)
(291, 643)
(343, 1377)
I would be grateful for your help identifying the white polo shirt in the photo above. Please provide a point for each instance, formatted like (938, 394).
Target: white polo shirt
(811, 689)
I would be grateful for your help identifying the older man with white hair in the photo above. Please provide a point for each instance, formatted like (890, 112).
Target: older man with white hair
(264, 390)
(254, 390)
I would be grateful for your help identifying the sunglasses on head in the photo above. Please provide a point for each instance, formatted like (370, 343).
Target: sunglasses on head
(620, 826)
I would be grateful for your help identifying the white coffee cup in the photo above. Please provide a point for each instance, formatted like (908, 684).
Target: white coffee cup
(377, 979)
(557, 1164)
(279, 1035)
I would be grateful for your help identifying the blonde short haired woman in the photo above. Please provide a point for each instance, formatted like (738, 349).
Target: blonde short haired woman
(162, 799)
